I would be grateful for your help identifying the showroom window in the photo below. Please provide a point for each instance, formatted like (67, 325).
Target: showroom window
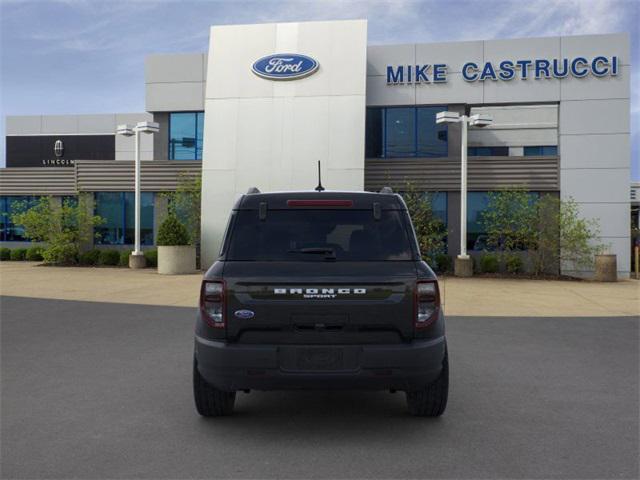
(477, 204)
(117, 209)
(8, 206)
(541, 151)
(185, 135)
(488, 151)
(405, 132)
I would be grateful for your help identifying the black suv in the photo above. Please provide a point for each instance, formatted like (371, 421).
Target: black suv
(320, 290)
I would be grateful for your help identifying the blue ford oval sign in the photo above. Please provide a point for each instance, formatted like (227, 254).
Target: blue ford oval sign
(244, 314)
(285, 66)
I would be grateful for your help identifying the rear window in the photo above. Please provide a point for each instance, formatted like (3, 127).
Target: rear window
(320, 235)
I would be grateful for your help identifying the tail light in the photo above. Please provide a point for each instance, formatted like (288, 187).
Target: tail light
(427, 303)
(212, 303)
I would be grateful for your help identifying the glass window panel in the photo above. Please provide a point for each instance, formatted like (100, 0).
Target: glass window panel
(146, 218)
(4, 218)
(374, 131)
(545, 150)
(532, 151)
(400, 132)
(439, 205)
(499, 151)
(477, 203)
(109, 207)
(12, 232)
(432, 138)
(117, 208)
(199, 134)
(182, 136)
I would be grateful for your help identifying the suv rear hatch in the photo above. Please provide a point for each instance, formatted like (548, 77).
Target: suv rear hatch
(320, 274)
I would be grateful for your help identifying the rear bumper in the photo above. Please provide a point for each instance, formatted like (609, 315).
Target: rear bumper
(232, 367)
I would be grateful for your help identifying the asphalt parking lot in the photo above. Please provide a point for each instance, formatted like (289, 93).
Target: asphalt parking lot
(103, 390)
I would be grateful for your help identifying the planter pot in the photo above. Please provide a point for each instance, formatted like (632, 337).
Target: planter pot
(176, 260)
(606, 268)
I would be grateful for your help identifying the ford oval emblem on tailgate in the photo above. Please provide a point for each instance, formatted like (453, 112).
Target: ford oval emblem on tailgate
(244, 314)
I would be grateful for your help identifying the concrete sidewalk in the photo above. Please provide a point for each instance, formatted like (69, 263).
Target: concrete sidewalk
(470, 297)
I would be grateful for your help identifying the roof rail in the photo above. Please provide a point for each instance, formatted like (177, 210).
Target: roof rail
(253, 190)
(386, 190)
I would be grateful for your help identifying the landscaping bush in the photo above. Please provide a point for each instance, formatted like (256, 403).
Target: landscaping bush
(124, 258)
(430, 229)
(513, 264)
(34, 254)
(489, 263)
(443, 263)
(152, 258)
(18, 254)
(109, 257)
(5, 254)
(172, 232)
(63, 227)
(90, 257)
(61, 254)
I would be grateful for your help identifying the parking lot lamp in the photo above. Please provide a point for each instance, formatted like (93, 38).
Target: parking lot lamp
(463, 263)
(136, 259)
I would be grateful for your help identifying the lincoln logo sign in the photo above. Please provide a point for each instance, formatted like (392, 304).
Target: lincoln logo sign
(505, 70)
(58, 148)
(285, 66)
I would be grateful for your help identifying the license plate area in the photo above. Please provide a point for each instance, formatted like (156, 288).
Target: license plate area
(318, 358)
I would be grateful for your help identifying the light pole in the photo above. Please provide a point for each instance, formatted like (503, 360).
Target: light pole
(136, 259)
(463, 264)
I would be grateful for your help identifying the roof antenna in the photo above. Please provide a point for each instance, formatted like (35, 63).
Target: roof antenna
(319, 188)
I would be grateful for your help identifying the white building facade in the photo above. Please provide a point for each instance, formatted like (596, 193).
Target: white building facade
(560, 108)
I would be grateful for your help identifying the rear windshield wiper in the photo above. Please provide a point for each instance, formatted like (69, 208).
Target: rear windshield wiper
(329, 252)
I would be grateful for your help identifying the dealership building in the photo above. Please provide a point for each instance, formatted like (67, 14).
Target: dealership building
(267, 101)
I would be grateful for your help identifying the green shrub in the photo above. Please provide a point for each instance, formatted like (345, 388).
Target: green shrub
(18, 254)
(5, 254)
(34, 254)
(63, 227)
(124, 258)
(152, 258)
(109, 257)
(489, 263)
(172, 232)
(443, 263)
(61, 254)
(513, 264)
(90, 257)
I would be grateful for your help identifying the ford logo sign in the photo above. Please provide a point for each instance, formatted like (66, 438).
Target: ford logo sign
(244, 314)
(285, 66)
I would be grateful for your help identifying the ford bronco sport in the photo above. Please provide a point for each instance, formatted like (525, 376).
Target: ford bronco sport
(320, 290)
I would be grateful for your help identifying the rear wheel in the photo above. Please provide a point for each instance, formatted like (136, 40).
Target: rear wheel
(211, 402)
(431, 401)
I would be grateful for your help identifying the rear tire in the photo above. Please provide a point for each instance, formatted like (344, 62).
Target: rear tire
(211, 402)
(431, 401)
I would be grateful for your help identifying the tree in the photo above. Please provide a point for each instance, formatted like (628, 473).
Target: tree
(564, 238)
(63, 227)
(184, 203)
(430, 230)
(510, 220)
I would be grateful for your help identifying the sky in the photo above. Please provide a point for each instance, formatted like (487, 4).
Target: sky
(87, 56)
